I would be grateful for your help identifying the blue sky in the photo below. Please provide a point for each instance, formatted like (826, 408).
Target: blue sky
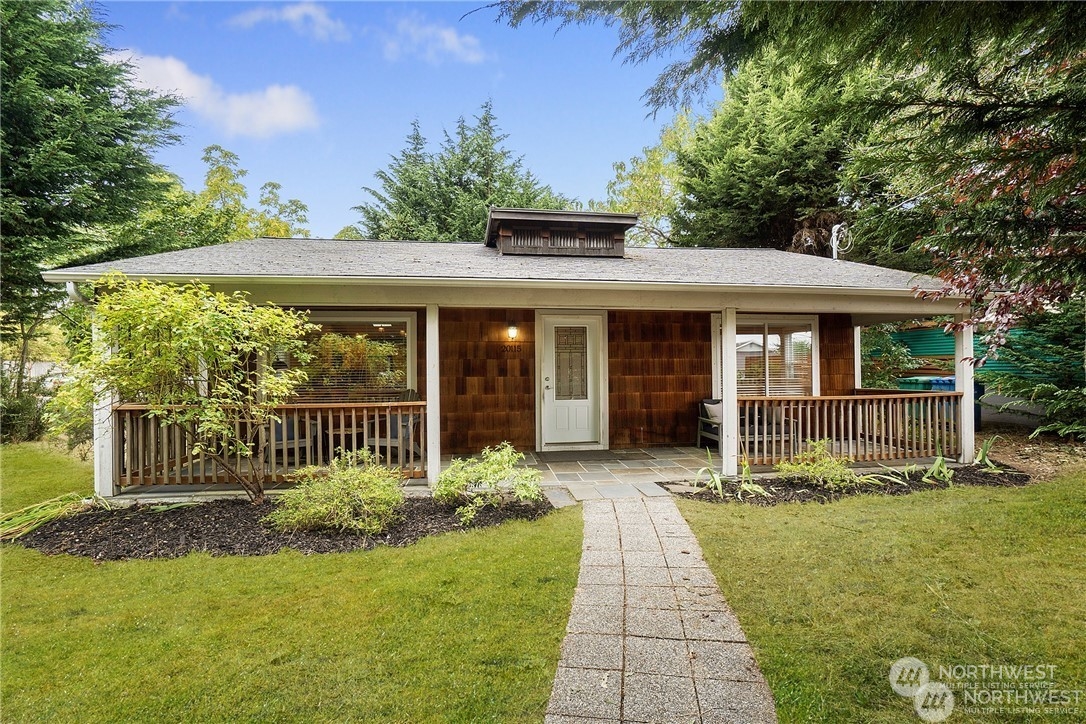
(317, 96)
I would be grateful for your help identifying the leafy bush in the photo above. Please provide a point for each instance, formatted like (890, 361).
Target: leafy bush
(492, 479)
(819, 467)
(22, 416)
(352, 493)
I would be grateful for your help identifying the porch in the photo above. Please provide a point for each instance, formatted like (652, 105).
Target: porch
(884, 427)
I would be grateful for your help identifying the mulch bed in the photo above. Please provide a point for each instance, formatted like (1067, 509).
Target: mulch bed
(234, 527)
(783, 490)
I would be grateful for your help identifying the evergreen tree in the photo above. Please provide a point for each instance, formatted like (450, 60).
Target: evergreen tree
(445, 196)
(76, 139)
(764, 170)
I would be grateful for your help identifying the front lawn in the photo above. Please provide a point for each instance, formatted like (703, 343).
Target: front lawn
(31, 472)
(465, 626)
(831, 595)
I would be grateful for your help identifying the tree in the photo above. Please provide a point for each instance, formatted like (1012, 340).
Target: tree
(350, 231)
(76, 140)
(648, 185)
(226, 195)
(445, 196)
(977, 128)
(764, 170)
(278, 218)
(199, 361)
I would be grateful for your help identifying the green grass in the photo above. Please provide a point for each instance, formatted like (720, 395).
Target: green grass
(35, 471)
(831, 595)
(460, 627)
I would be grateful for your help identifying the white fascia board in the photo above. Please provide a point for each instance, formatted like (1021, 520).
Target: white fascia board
(59, 275)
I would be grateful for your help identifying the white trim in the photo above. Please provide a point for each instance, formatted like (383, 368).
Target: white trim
(963, 383)
(59, 275)
(105, 473)
(599, 317)
(816, 354)
(857, 359)
(375, 315)
(729, 423)
(715, 331)
(433, 394)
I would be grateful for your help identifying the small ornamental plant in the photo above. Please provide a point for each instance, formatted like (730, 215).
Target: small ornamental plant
(352, 493)
(818, 467)
(491, 480)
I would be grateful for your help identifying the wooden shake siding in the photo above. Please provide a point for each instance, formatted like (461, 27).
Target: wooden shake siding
(487, 382)
(836, 344)
(660, 366)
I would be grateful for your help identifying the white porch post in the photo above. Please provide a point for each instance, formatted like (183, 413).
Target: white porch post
(963, 383)
(433, 395)
(729, 423)
(857, 360)
(104, 446)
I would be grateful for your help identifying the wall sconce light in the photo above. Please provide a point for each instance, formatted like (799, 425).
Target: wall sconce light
(513, 331)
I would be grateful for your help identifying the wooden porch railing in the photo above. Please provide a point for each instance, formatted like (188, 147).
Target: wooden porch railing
(865, 427)
(150, 453)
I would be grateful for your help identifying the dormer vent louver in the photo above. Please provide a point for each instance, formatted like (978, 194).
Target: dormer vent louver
(558, 233)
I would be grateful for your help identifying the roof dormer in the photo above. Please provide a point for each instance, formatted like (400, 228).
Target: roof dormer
(558, 233)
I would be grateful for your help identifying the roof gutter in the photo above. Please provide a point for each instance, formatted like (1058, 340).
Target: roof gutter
(59, 275)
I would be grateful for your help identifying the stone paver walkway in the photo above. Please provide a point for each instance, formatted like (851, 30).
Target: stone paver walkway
(650, 637)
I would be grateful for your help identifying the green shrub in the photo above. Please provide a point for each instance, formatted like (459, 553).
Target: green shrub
(491, 480)
(352, 493)
(819, 467)
(22, 416)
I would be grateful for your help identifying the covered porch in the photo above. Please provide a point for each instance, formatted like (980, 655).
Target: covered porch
(799, 383)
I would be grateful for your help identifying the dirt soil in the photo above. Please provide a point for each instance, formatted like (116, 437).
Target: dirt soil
(784, 490)
(1044, 457)
(234, 527)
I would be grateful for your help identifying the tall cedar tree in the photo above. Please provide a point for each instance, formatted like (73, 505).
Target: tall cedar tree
(764, 170)
(445, 196)
(76, 138)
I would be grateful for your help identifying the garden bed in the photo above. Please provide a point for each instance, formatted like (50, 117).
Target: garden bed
(783, 490)
(233, 527)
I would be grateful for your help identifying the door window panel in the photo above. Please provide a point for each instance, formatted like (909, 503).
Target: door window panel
(570, 363)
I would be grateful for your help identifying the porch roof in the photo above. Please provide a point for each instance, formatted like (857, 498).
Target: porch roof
(420, 263)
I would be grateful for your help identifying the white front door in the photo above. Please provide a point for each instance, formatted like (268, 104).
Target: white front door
(571, 380)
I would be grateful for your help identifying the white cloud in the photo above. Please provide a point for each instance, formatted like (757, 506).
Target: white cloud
(263, 113)
(432, 42)
(306, 18)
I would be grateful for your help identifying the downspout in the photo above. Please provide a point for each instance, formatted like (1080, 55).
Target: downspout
(77, 296)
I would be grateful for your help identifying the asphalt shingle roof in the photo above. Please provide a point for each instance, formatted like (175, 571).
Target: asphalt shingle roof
(473, 262)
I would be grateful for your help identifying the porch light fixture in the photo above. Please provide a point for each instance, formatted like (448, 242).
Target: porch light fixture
(513, 331)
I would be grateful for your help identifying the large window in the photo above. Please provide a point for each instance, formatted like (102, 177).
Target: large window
(775, 356)
(360, 357)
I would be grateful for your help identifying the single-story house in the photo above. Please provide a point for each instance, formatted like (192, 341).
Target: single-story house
(552, 334)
